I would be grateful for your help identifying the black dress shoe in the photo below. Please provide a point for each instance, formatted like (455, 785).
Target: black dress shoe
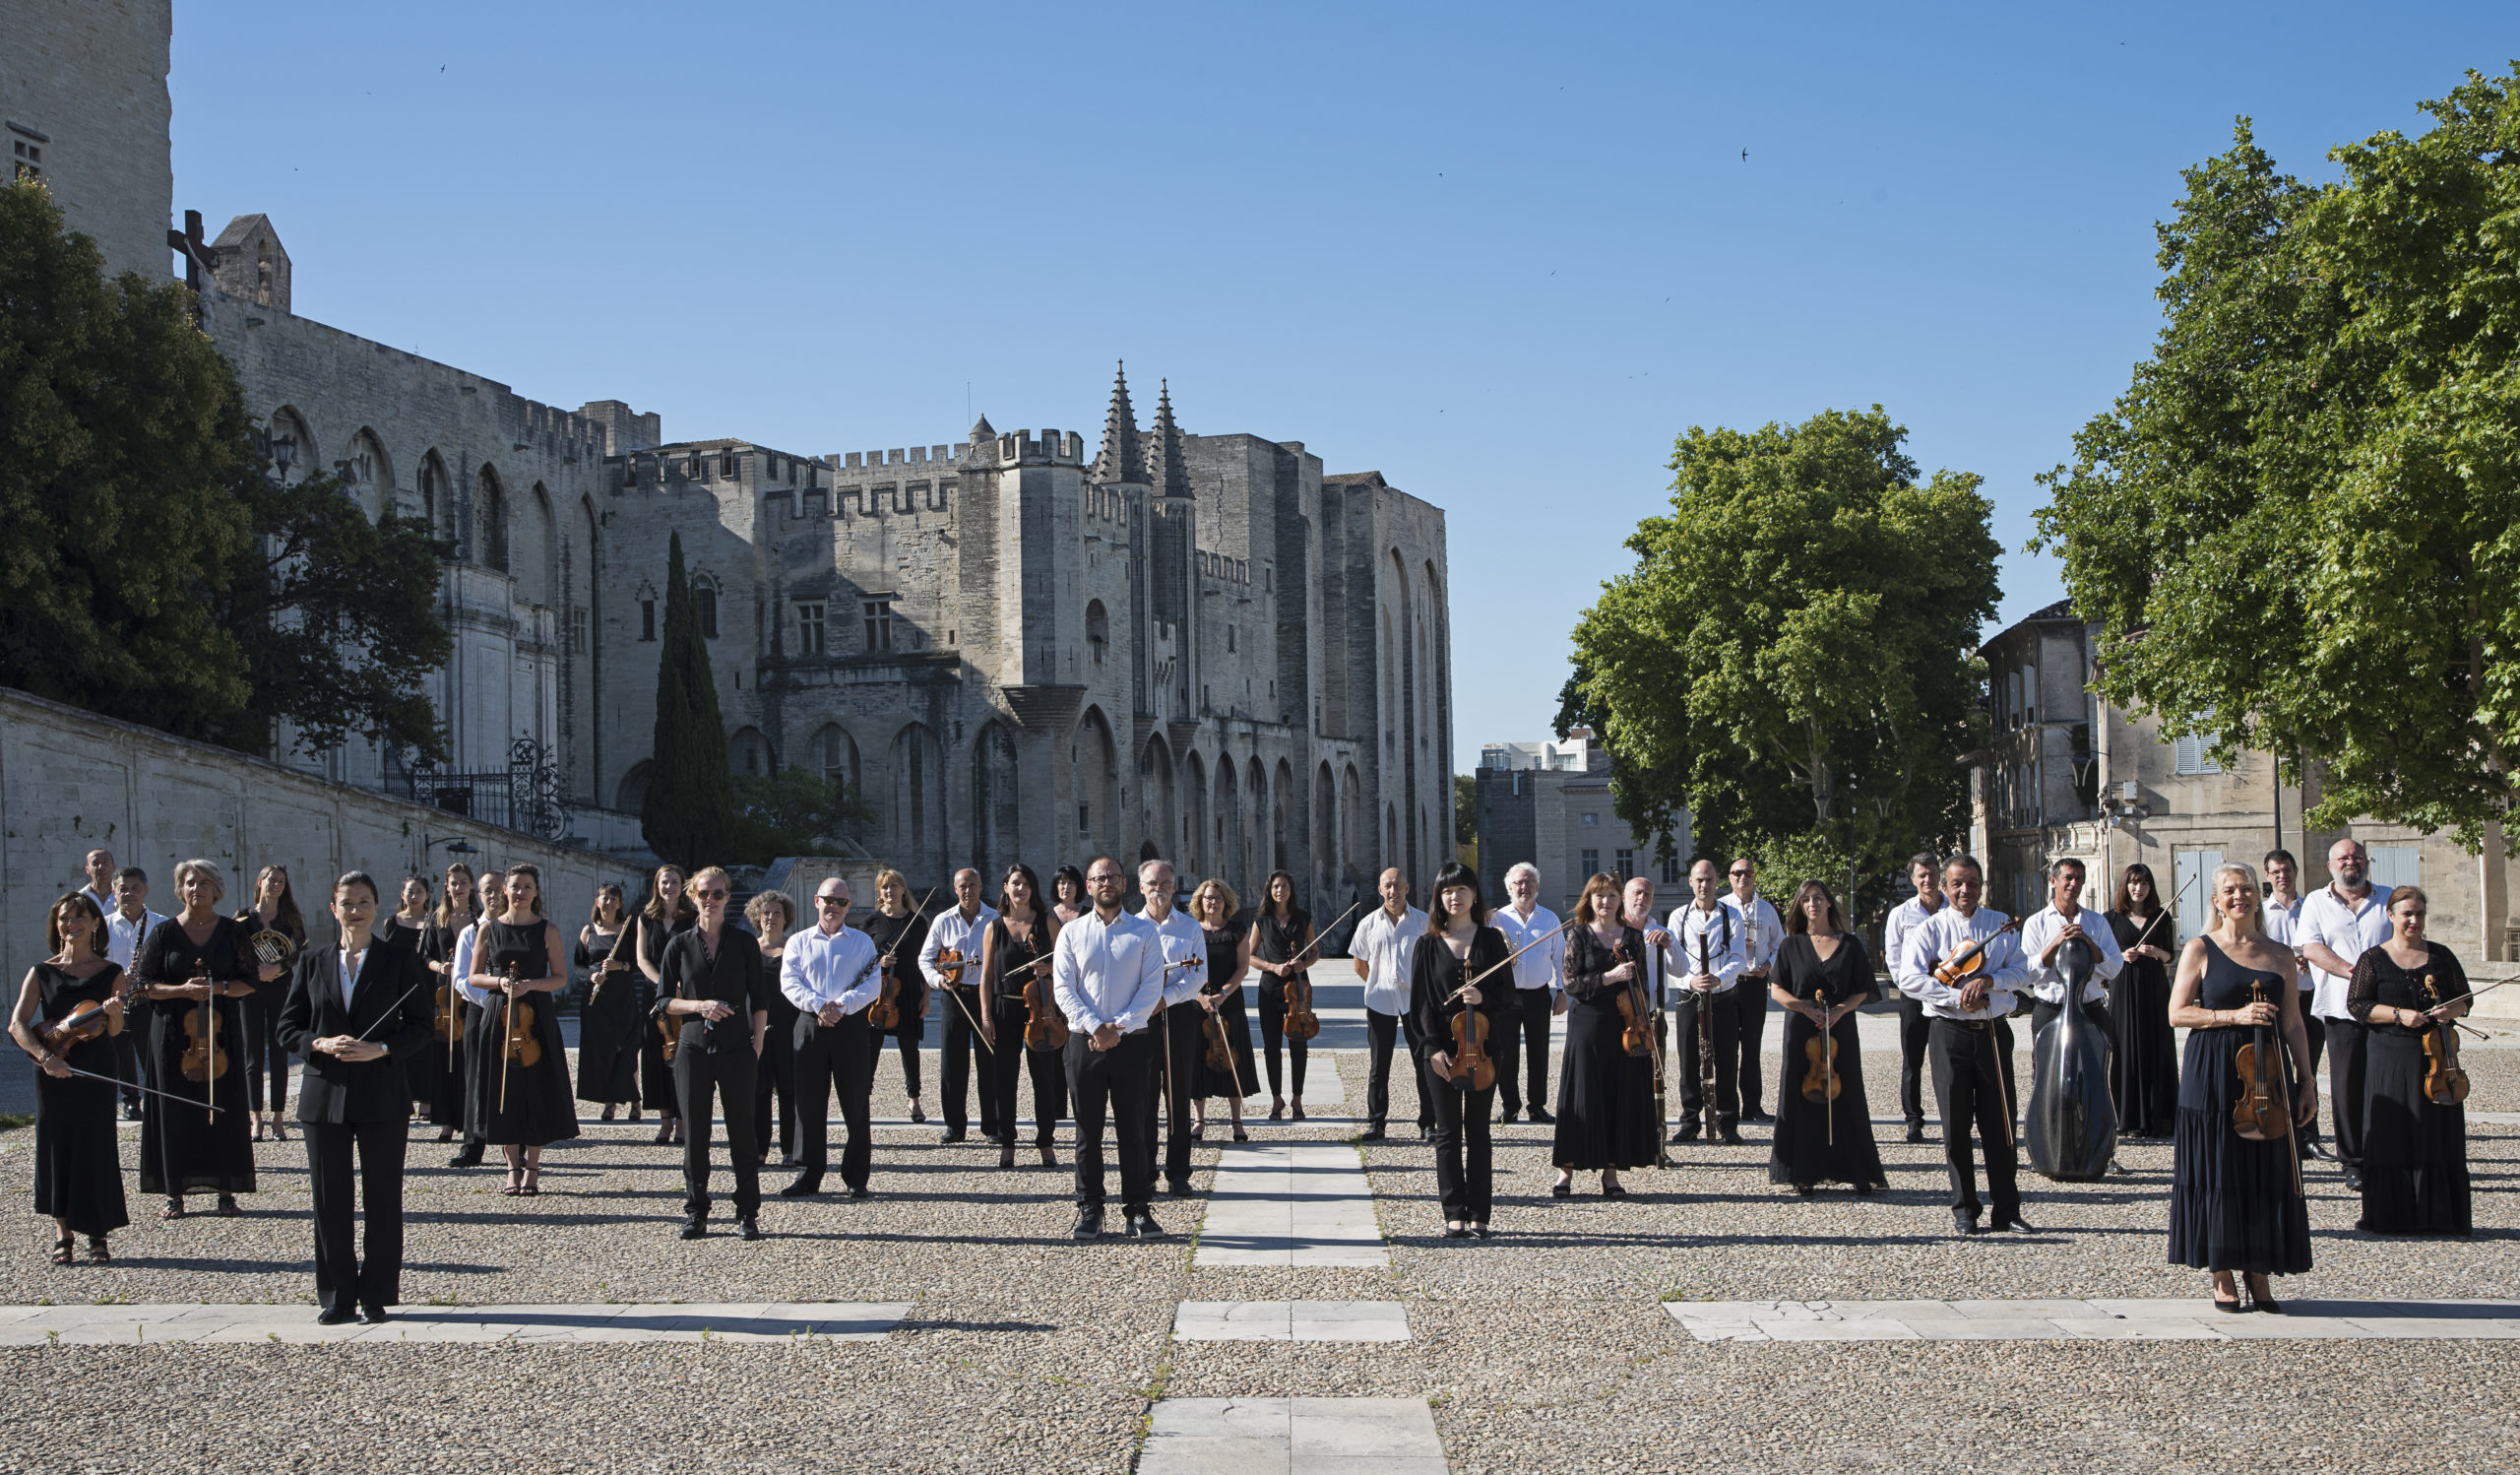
(336, 1316)
(2017, 1224)
(1687, 1133)
(1142, 1226)
(1370, 1134)
(1964, 1222)
(373, 1315)
(950, 1137)
(2320, 1151)
(860, 1192)
(1426, 1134)
(1089, 1224)
(2353, 1178)
(1541, 1114)
(469, 1157)
(807, 1186)
(1755, 1114)
(1916, 1132)
(748, 1229)
(1730, 1136)
(1179, 1189)
(694, 1228)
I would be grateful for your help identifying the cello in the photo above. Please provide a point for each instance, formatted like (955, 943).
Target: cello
(2072, 1131)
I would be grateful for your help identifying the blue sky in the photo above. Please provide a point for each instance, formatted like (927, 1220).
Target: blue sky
(1502, 255)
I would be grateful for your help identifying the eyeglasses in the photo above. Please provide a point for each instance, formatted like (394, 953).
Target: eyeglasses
(710, 895)
(1737, 874)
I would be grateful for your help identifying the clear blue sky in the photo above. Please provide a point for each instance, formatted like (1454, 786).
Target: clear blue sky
(1502, 254)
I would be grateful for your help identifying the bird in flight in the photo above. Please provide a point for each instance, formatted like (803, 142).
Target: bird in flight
(1745, 156)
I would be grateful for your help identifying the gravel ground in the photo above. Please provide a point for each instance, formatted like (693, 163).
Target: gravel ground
(1546, 1349)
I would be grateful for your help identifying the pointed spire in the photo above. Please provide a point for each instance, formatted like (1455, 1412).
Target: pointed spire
(1171, 476)
(981, 429)
(1123, 457)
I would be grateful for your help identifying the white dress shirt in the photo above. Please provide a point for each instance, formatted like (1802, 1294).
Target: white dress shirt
(2344, 930)
(1661, 963)
(1941, 937)
(1108, 973)
(123, 935)
(2283, 924)
(963, 935)
(1715, 935)
(1894, 933)
(1762, 932)
(1545, 966)
(349, 962)
(818, 968)
(104, 900)
(1390, 950)
(1181, 939)
(2046, 984)
(479, 998)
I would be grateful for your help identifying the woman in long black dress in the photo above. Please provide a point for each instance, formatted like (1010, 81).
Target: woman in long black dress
(196, 972)
(668, 915)
(2414, 1149)
(520, 1103)
(1457, 946)
(1228, 954)
(772, 916)
(2143, 1057)
(2236, 1204)
(1823, 975)
(898, 931)
(1605, 1118)
(1023, 934)
(78, 1158)
(611, 1023)
(274, 909)
(1281, 940)
(437, 1073)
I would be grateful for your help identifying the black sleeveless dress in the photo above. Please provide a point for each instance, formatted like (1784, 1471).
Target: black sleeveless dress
(1810, 1147)
(527, 1105)
(2233, 1204)
(1240, 1080)
(78, 1158)
(436, 1072)
(183, 1147)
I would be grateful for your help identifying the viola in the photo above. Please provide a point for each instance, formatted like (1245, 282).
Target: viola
(1820, 1083)
(2264, 1110)
(1473, 1069)
(2445, 1084)
(204, 1060)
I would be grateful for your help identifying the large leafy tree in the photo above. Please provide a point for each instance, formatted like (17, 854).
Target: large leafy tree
(1791, 655)
(2300, 526)
(689, 817)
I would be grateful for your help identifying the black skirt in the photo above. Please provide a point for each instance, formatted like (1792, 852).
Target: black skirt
(2415, 1152)
(1803, 1151)
(1240, 1081)
(1605, 1116)
(2233, 1204)
(609, 1042)
(512, 1102)
(183, 1147)
(436, 1070)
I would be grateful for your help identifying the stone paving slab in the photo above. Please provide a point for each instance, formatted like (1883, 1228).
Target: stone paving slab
(1288, 1205)
(1293, 1437)
(1291, 1321)
(848, 1321)
(2058, 1319)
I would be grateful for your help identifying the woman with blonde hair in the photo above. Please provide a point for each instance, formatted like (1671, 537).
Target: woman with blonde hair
(898, 931)
(521, 1105)
(274, 909)
(196, 970)
(1228, 954)
(1605, 1118)
(773, 917)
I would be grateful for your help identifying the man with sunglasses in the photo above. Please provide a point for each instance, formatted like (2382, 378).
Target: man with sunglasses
(1762, 933)
(1108, 975)
(831, 972)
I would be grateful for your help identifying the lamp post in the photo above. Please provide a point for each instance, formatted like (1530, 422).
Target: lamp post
(456, 845)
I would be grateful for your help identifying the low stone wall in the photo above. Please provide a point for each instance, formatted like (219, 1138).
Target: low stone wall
(72, 781)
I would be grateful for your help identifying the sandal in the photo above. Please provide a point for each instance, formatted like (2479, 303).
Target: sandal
(175, 1209)
(61, 1255)
(1240, 1135)
(607, 1111)
(533, 1184)
(228, 1208)
(1296, 1111)
(1276, 1110)
(97, 1253)
(1561, 1191)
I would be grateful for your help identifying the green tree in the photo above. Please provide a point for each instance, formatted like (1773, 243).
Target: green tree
(1466, 819)
(2300, 526)
(1789, 656)
(794, 811)
(689, 816)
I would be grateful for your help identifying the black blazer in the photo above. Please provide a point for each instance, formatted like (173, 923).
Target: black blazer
(339, 1090)
(738, 978)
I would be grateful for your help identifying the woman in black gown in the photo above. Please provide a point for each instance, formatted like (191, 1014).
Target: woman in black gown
(274, 909)
(1457, 946)
(437, 1073)
(1605, 1118)
(1023, 934)
(2236, 1204)
(78, 1158)
(521, 1105)
(2143, 1057)
(668, 915)
(772, 916)
(1823, 975)
(194, 969)
(611, 1023)
(898, 931)
(1280, 936)
(1228, 954)
(2414, 1149)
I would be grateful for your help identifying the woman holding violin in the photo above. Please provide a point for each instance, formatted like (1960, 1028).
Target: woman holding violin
(68, 1008)
(2409, 993)
(518, 1073)
(1281, 945)
(1225, 1065)
(612, 1021)
(668, 915)
(1605, 1116)
(2236, 1201)
(1025, 1030)
(437, 1073)
(899, 932)
(1823, 1126)
(1456, 1019)
(2143, 1055)
(194, 971)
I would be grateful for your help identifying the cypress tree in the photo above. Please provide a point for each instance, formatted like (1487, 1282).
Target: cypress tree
(690, 809)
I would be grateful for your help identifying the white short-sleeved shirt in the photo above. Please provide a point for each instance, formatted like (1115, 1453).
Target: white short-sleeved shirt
(1389, 949)
(2346, 931)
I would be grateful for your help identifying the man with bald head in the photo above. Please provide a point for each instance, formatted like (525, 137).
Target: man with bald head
(959, 931)
(1382, 948)
(2340, 921)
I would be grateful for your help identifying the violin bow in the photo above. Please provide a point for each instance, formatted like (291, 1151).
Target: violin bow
(1313, 947)
(1562, 929)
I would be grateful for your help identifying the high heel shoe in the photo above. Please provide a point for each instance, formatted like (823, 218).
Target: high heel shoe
(533, 1188)
(1240, 1135)
(1276, 1110)
(607, 1111)
(1050, 1158)
(664, 1132)
(280, 1129)
(1006, 1156)
(257, 1126)
(1295, 1111)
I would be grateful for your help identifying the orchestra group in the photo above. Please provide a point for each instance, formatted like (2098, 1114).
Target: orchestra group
(445, 1007)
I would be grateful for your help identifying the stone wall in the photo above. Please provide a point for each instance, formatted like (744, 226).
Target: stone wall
(72, 781)
(83, 95)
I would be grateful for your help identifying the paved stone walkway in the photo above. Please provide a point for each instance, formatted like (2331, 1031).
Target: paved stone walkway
(1291, 1321)
(2184, 1320)
(1286, 1205)
(1293, 1437)
(848, 1321)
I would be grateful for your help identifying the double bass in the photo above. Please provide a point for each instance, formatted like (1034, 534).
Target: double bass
(2072, 1131)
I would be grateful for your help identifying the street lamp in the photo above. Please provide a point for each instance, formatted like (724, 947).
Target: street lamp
(456, 845)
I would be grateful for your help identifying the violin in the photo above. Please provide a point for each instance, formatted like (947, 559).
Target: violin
(2264, 1110)
(203, 1059)
(2444, 1082)
(1958, 969)
(884, 1015)
(1046, 1025)
(86, 1021)
(1821, 1083)
(446, 1023)
(950, 962)
(1473, 1069)
(1301, 1023)
(1636, 1033)
(672, 1036)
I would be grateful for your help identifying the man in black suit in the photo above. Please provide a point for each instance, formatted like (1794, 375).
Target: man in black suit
(354, 1011)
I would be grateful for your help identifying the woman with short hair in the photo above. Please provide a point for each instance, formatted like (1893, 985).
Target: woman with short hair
(196, 970)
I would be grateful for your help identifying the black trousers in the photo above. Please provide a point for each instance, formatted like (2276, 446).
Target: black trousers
(1725, 1015)
(774, 1084)
(1916, 1027)
(1464, 1157)
(1008, 1065)
(963, 1040)
(1382, 1031)
(1113, 1083)
(128, 1056)
(1181, 1045)
(1749, 998)
(1528, 1022)
(733, 1075)
(2345, 1048)
(341, 1279)
(841, 1056)
(1273, 1037)
(2315, 1029)
(264, 1057)
(1968, 1085)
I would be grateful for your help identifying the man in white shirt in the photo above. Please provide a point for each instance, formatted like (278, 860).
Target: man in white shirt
(1708, 941)
(101, 880)
(128, 923)
(2064, 919)
(1108, 975)
(1968, 1081)
(959, 931)
(1924, 873)
(1540, 983)
(1180, 1024)
(2281, 918)
(2338, 924)
(1762, 934)
(831, 972)
(1382, 949)
(1636, 909)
